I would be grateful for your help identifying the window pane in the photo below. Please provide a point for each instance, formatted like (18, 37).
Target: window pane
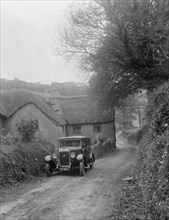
(76, 129)
(97, 128)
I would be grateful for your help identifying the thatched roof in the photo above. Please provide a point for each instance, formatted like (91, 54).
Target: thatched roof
(11, 101)
(82, 110)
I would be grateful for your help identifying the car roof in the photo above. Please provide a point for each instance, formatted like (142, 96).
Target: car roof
(73, 137)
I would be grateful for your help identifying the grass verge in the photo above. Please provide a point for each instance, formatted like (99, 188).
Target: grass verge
(129, 199)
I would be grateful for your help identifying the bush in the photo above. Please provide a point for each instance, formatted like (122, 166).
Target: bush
(140, 134)
(22, 160)
(27, 128)
(157, 111)
(9, 139)
(153, 169)
(131, 138)
(153, 156)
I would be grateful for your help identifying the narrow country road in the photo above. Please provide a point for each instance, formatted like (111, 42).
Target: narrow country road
(71, 197)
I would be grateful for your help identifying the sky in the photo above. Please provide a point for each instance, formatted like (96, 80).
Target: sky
(27, 42)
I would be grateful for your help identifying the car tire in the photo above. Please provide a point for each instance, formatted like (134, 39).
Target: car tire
(48, 170)
(81, 168)
(91, 165)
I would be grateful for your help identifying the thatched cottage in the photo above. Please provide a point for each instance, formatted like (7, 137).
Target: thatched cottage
(67, 116)
(18, 104)
(84, 117)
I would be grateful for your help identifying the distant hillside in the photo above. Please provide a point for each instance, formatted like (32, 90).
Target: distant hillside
(66, 89)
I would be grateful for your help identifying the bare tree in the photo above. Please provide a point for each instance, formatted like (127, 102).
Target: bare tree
(124, 43)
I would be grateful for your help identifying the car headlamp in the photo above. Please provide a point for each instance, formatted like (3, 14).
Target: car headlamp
(47, 158)
(72, 155)
(79, 157)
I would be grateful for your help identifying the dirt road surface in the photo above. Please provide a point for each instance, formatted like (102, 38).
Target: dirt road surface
(71, 197)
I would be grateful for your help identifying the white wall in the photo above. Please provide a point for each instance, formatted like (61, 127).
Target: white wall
(87, 130)
(48, 131)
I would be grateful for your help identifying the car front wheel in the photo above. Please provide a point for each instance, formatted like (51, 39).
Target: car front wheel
(48, 170)
(81, 168)
(91, 165)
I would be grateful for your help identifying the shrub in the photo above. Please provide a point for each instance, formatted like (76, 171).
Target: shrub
(27, 128)
(22, 160)
(161, 119)
(153, 161)
(9, 139)
(153, 156)
(157, 111)
(140, 134)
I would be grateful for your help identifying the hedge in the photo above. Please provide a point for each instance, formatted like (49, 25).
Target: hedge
(153, 156)
(19, 160)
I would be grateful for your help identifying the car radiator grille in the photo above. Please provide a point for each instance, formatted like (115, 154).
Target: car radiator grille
(64, 158)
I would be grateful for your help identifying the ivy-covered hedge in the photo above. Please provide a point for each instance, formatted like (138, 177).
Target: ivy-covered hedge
(20, 160)
(141, 133)
(153, 156)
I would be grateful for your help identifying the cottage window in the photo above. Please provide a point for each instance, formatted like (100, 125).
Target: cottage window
(76, 129)
(97, 128)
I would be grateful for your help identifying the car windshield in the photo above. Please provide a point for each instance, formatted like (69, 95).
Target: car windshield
(70, 143)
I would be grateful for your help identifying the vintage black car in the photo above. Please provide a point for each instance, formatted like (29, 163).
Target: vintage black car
(75, 152)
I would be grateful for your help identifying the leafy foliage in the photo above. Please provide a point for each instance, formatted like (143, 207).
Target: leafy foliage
(129, 200)
(157, 112)
(161, 122)
(27, 128)
(153, 155)
(153, 171)
(19, 161)
(125, 44)
(147, 197)
(141, 133)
